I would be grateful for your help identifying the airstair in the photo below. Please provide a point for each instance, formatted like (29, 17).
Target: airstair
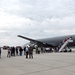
(64, 44)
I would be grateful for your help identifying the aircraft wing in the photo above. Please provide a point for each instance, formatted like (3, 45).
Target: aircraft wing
(39, 43)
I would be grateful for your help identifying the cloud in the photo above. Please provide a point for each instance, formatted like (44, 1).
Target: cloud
(35, 19)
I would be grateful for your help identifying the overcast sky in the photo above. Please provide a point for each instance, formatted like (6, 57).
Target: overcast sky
(35, 19)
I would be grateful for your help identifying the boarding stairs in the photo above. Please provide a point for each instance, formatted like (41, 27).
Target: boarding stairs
(64, 45)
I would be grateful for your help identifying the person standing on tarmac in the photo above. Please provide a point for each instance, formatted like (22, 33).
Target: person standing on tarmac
(16, 51)
(20, 51)
(24, 50)
(31, 52)
(0, 52)
(9, 52)
(27, 49)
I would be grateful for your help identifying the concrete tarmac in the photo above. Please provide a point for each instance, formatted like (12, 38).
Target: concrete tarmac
(41, 64)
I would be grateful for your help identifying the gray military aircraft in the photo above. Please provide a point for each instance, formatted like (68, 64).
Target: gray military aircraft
(50, 42)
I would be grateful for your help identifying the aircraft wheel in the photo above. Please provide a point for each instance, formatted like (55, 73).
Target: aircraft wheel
(70, 50)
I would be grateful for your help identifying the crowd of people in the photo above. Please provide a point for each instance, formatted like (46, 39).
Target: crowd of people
(27, 51)
(18, 51)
